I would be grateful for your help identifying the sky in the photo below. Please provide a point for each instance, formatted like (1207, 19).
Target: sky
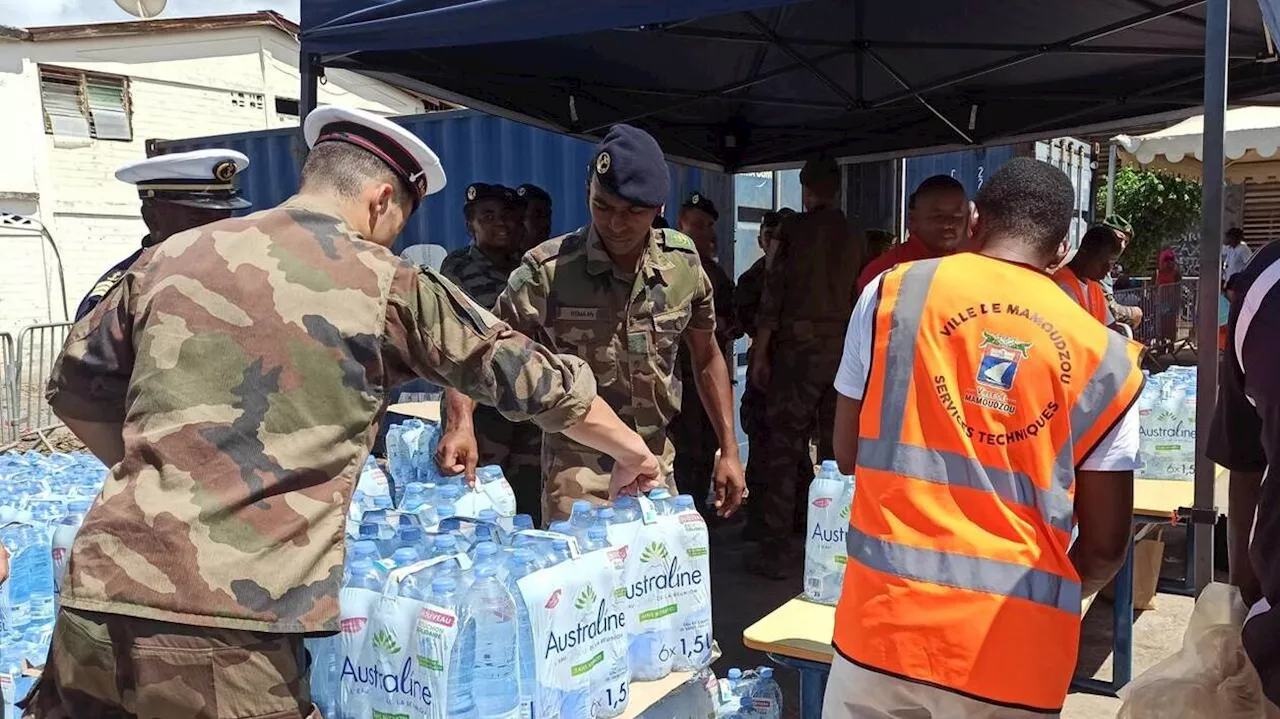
(37, 13)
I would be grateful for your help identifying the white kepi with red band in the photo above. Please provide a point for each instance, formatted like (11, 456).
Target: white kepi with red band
(404, 152)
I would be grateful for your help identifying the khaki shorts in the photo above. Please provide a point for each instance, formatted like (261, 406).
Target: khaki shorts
(104, 666)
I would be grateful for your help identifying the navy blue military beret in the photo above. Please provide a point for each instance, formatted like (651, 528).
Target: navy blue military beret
(529, 191)
(699, 201)
(478, 191)
(629, 164)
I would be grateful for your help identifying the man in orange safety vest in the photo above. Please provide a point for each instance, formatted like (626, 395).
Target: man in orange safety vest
(985, 417)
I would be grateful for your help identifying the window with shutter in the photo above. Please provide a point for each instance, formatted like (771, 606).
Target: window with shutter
(78, 104)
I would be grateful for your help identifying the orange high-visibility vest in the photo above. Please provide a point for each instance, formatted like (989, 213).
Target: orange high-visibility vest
(987, 388)
(1086, 293)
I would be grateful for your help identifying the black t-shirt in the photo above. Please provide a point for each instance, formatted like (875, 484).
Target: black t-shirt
(1246, 436)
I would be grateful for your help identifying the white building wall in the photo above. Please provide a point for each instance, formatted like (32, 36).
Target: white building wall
(181, 84)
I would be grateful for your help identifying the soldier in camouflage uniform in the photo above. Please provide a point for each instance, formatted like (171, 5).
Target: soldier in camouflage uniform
(804, 311)
(691, 431)
(233, 379)
(481, 269)
(623, 297)
(746, 305)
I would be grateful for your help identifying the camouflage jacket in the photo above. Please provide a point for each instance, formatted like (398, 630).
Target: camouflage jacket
(249, 361)
(476, 274)
(568, 294)
(809, 286)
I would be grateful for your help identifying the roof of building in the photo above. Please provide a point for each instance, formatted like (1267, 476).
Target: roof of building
(264, 18)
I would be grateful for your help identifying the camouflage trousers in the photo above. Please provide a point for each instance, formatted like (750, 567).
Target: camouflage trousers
(106, 666)
(574, 471)
(695, 445)
(800, 397)
(517, 448)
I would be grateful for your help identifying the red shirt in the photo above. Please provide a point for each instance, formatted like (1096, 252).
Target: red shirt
(909, 251)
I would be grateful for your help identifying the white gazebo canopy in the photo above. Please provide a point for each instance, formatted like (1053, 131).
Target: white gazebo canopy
(1251, 146)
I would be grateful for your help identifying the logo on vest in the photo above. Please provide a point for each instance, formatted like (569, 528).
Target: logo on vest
(1000, 358)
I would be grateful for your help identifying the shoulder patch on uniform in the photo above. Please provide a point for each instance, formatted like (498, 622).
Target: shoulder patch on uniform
(520, 277)
(677, 241)
(104, 285)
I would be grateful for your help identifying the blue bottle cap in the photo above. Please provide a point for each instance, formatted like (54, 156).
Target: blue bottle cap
(562, 527)
(405, 555)
(735, 673)
(605, 513)
(684, 501)
(486, 549)
(444, 584)
(488, 515)
(522, 521)
(581, 506)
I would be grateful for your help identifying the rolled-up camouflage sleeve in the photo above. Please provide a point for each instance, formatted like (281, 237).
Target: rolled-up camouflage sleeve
(434, 331)
(90, 379)
(703, 305)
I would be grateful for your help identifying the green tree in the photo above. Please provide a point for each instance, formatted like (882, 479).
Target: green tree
(1162, 207)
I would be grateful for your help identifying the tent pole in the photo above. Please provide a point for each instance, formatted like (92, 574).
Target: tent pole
(1216, 47)
(1111, 180)
(309, 69)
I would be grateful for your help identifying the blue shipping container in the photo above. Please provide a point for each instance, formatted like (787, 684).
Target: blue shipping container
(970, 167)
(473, 147)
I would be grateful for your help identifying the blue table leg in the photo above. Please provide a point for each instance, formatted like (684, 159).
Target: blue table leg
(813, 683)
(1122, 635)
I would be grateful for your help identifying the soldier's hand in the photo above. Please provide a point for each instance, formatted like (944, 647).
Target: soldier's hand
(457, 453)
(635, 477)
(731, 485)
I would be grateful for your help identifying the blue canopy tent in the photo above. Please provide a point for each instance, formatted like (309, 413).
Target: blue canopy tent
(743, 84)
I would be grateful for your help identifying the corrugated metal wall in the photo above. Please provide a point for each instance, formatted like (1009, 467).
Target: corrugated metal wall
(474, 147)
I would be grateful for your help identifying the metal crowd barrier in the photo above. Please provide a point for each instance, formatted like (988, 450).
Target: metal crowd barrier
(25, 413)
(1168, 316)
(8, 406)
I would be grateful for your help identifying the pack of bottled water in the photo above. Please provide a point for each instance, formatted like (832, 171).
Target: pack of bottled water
(830, 500)
(1167, 424)
(752, 694)
(443, 615)
(44, 501)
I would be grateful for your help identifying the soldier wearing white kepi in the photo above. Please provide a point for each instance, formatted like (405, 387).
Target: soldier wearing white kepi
(179, 192)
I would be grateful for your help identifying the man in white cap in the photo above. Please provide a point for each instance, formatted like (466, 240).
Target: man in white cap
(179, 192)
(233, 380)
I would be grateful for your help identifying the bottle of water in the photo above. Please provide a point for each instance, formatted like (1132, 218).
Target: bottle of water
(597, 538)
(446, 545)
(459, 700)
(19, 587)
(413, 537)
(603, 517)
(483, 533)
(42, 598)
(415, 497)
(661, 499)
(522, 564)
(693, 626)
(363, 549)
(560, 551)
(529, 544)
(404, 556)
(493, 611)
(580, 519)
(766, 695)
(522, 522)
(64, 535)
(358, 602)
(825, 531)
(626, 509)
(484, 553)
